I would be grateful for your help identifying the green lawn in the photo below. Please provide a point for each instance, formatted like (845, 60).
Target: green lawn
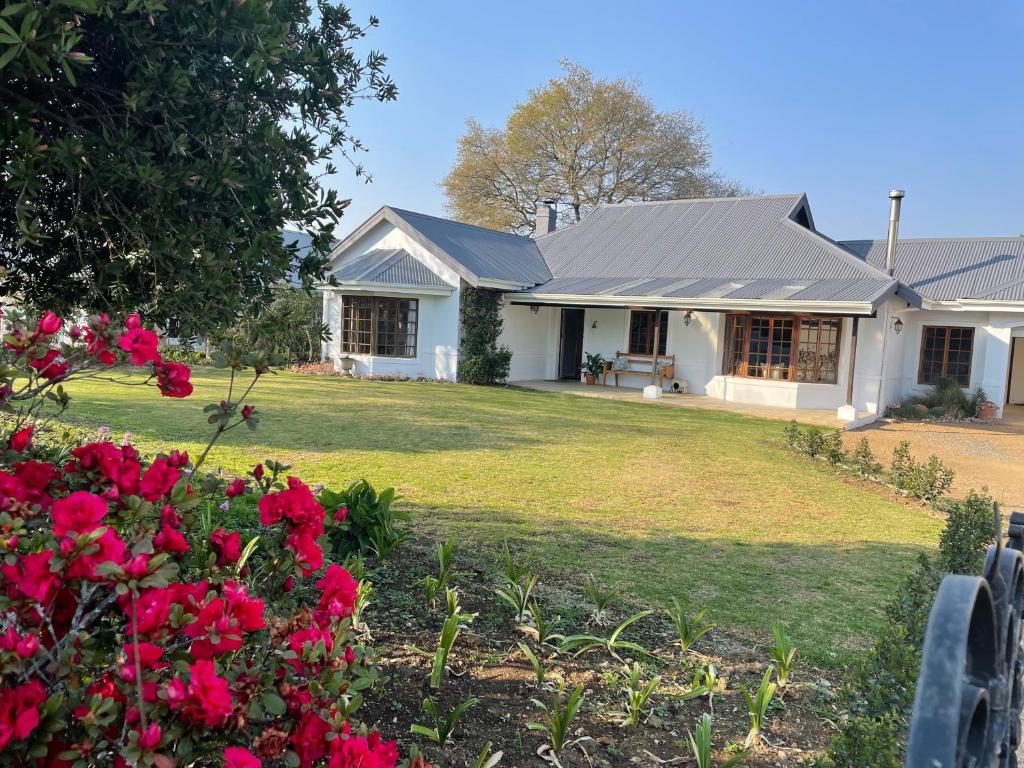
(658, 502)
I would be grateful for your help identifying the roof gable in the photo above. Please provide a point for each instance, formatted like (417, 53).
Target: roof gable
(389, 266)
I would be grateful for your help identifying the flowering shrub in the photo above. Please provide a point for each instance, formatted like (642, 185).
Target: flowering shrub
(132, 632)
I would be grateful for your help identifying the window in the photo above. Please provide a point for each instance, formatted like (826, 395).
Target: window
(379, 325)
(784, 348)
(641, 332)
(946, 351)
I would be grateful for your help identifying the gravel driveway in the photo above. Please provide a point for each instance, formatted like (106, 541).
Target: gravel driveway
(981, 454)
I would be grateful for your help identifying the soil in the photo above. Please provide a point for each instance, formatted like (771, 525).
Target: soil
(487, 664)
(980, 454)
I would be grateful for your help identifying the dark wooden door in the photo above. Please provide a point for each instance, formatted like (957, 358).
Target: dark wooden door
(571, 356)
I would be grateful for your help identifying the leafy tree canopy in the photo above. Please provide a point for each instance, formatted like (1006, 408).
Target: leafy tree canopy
(579, 141)
(151, 151)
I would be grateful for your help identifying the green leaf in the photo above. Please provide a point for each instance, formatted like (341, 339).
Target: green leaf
(274, 704)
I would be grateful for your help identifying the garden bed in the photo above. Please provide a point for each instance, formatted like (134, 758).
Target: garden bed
(486, 663)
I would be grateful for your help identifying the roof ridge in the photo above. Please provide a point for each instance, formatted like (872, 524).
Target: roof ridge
(489, 230)
(1015, 238)
(724, 198)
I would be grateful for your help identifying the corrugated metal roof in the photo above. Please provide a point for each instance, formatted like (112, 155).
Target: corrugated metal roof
(389, 266)
(736, 248)
(947, 269)
(303, 243)
(487, 253)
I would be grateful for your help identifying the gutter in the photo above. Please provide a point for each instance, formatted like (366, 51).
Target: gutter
(848, 308)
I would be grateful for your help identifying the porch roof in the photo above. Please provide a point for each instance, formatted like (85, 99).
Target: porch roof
(386, 268)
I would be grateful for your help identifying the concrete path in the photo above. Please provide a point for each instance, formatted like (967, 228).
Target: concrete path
(820, 418)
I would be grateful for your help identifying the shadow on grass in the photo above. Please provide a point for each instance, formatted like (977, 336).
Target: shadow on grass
(829, 595)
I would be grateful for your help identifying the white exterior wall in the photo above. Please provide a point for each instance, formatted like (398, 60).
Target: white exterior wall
(990, 362)
(437, 331)
(533, 338)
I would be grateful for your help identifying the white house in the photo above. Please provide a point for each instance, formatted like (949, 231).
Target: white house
(748, 300)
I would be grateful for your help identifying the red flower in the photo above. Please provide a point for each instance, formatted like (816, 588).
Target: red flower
(309, 637)
(108, 548)
(235, 488)
(21, 439)
(257, 472)
(341, 514)
(309, 739)
(173, 379)
(36, 476)
(207, 699)
(337, 594)
(149, 739)
(158, 480)
(109, 464)
(239, 757)
(170, 540)
(140, 344)
(32, 577)
(297, 505)
(308, 554)
(368, 752)
(81, 512)
(221, 622)
(96, 345)
(51, 365)
(19, 711)
(228, 546)
(48, 324)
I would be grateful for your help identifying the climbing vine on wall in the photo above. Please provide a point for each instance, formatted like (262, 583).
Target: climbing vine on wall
(481, 359)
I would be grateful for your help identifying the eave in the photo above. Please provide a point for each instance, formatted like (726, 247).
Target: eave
(846, 308)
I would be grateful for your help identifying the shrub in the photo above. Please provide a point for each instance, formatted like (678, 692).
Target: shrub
(481, 360)
(947, 400)
(919, 481)
(794, 438)
(185, 353)
(970, 530)
(291, 326)
(832, 448)
(135, 631)
(862, 461)
(814, 442)
(368, 523)
(901, 468)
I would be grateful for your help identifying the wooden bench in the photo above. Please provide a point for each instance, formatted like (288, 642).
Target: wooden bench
(665, 365)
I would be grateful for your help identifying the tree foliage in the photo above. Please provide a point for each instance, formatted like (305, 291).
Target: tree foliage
(291, 326)
(481, 360)
(150, 152)
(579, 141)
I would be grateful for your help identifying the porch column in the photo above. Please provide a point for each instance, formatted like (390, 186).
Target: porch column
(997, 361)
(657, 342)
(848, 412)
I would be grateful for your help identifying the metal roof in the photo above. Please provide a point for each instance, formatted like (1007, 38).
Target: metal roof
(949, 269)
(750, 248)
(389, 266)
(486, 253)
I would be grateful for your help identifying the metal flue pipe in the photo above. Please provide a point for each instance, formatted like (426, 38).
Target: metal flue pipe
(895, 199)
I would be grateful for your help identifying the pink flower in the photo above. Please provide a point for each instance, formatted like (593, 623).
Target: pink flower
(235, 488)
(159, 479)
(227, 546)
(150, 738)
(48, 324)
(81, 512)
(21, 439)
(365, 752)
(170, 540)
(140, 344)
(31, 576)
(51, 365)
(239, 757)
(173, 379)
(19, 711)
(308, 554)
(108, 548)
(337, 594)
(207, 699)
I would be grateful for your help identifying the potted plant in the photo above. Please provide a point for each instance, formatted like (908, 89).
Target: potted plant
(347, 364)
(594, 367)
(987, 410)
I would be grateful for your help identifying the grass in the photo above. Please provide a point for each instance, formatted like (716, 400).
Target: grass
(655, 502)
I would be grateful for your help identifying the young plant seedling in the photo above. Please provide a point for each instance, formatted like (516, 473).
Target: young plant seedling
(701, 746)
(706, 679)
(601, 600)
(443, 724)
(783, 653)
(690, 630)
(540, 629)
(637, 695)
(487, 759)
(449, 631)
(559, 723)
(612, 644)
(540, 672)
(517, 597)
(757, 706)
(432, 585)
(514, 573)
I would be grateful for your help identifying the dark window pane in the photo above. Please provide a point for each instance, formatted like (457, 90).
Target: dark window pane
(641, 332)
(379, 325)
(946, 351)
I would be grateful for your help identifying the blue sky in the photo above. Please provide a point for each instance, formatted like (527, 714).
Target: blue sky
(839, 100)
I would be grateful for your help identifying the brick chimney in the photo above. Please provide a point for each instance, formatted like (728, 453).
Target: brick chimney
(546, 217)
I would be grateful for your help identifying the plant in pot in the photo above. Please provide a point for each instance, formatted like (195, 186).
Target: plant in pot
(594, 367)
